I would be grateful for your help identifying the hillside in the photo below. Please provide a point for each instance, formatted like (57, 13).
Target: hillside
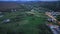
(24, 22)
(28, 18)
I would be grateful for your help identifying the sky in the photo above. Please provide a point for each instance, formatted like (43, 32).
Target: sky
(28, 0)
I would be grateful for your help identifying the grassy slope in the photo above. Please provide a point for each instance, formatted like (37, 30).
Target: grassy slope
(26, 25)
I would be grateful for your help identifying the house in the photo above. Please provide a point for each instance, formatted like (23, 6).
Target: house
(55, 13)
(13, 10)
(6, 20)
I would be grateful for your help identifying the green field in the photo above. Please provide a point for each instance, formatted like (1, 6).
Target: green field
(24, 23)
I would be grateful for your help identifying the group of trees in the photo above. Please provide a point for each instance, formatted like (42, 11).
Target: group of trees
(58, 17)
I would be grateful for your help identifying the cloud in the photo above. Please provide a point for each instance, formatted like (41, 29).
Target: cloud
(48, 0)
(28, 0)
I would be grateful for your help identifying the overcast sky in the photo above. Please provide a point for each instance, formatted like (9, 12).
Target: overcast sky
(28, 0)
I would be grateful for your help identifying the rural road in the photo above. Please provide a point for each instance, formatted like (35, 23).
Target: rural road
(54, 28)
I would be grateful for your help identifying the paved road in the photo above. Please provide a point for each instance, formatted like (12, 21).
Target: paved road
(54, 28)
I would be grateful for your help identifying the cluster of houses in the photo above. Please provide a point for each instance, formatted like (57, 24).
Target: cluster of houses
(54, 28)
(54, 14)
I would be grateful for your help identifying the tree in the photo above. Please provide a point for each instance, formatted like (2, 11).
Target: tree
(58, 17)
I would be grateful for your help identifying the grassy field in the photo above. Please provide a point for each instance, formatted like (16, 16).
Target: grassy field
(24, 23)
